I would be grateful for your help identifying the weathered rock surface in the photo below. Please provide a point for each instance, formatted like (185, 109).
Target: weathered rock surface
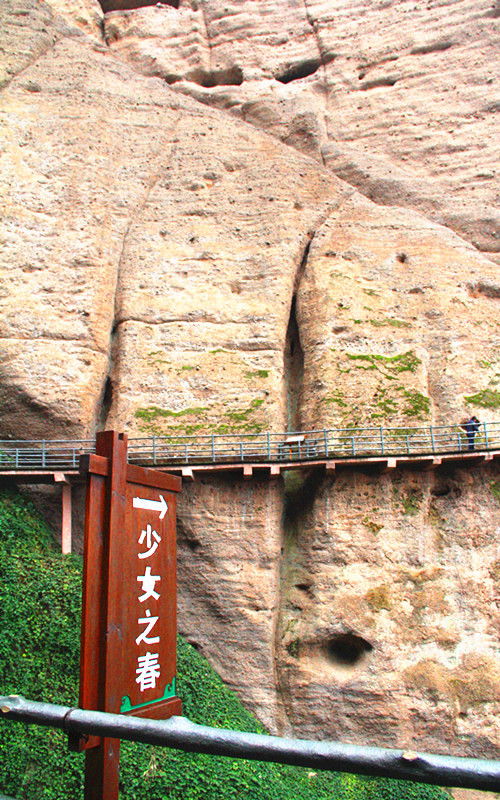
(398, 98)
(169, 269)
(377, 621)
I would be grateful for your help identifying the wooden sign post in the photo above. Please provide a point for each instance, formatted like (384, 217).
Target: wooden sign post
(128, 640)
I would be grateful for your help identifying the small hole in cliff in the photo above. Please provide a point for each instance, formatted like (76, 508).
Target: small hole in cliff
(130, 5)
(402, 258)
(440, 491)
(232, 76)
(300, 70)
(347, 649)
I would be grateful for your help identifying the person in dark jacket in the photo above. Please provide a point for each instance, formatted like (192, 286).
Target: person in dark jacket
(471, 427)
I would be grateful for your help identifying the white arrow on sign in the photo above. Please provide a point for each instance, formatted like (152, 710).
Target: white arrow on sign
(152, 505)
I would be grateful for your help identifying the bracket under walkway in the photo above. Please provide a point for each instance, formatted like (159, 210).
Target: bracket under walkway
(372, 465)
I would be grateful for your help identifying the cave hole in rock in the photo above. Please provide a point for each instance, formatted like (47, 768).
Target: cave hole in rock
(294, 370)
(130, 5)
(300, 70)
(186, 537)
(232, 76)
(347, 649)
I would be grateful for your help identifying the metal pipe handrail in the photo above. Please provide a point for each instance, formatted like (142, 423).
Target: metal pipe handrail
(59, 454)
(182, 734)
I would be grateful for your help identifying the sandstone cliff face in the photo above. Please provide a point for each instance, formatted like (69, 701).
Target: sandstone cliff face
(398, 98)
(159, 259)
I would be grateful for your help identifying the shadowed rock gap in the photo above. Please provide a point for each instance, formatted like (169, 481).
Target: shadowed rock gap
(300, 491)
(232, 76)
(130, 5)
(294, 371)
(300, 70)
(293, 354)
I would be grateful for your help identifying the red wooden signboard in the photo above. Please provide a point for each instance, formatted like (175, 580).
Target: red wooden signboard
(128, 640)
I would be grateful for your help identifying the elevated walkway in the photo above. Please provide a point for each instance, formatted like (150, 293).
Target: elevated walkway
(262, 455)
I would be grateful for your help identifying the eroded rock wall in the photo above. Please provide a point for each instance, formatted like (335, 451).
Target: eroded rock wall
(159, 260)
(400, 99)
(389, 620)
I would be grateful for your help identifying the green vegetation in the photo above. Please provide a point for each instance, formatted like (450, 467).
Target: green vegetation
(389, 366)
(389, 399)
(487, 398)
(257, 373)
(372, 526)
(153, 412)
(293, 648)
(386, 402)
(393, 323)
(417, 404)
(5, 458)
(495, 489)
(241, 416)
(207, 419)
(410, 499)
(155, 357)
(39, 619)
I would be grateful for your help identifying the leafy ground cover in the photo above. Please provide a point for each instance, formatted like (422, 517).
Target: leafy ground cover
(39, 652)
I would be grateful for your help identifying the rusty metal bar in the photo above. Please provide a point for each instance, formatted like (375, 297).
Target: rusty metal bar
(179, 733)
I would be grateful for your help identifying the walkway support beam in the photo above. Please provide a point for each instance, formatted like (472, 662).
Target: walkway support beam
(59, 477)
(180, 733)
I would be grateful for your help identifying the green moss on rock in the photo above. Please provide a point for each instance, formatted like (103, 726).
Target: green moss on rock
(487, 398)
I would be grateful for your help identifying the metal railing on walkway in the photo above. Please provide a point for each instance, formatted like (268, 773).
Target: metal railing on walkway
(265, 447)
(180, 733)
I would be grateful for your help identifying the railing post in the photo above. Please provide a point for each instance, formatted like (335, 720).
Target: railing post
(407, 444)
(213, 448)
(382, 439)
(485, 435)
(432, 440)
(43, 452)
(154, 450)
(186, 452)
(353, 446)
(459, 442)
(241, 450)
(17, 457)
(325, 436)
(268, 446)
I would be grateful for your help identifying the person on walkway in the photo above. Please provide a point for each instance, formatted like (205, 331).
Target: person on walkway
(471, 427)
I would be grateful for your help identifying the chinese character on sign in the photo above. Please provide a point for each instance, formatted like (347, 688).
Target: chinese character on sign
(148, 585)
(148, 671)
(150, 622)
(149, 534)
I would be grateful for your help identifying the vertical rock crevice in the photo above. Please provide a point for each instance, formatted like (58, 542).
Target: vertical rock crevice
(299, 492)
(293, 370)
(112, 378)
(293, 359)
(300, 489)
